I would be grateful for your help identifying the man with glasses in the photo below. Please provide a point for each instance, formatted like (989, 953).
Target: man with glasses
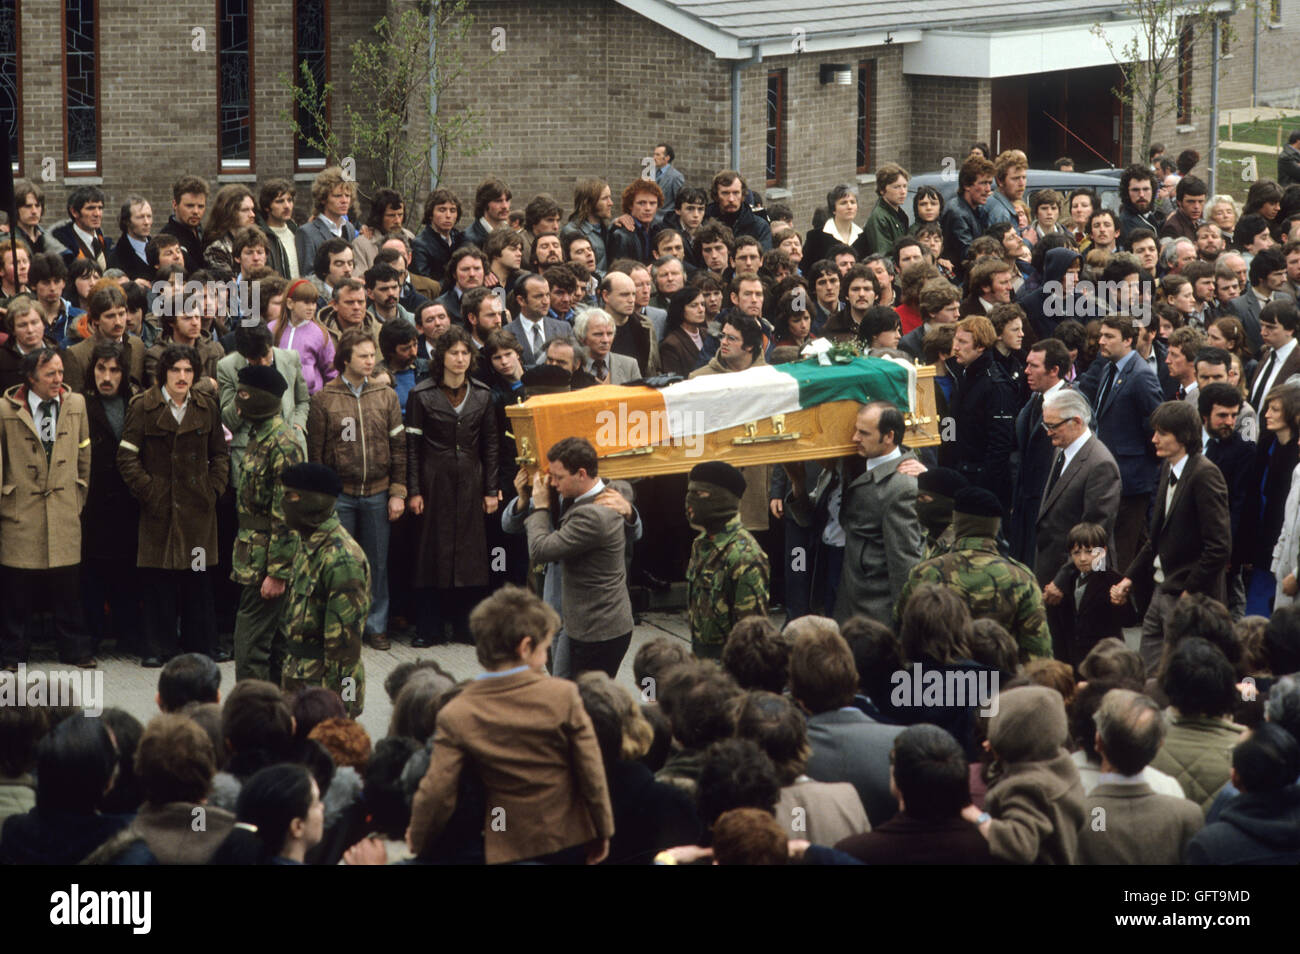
(1083, 487)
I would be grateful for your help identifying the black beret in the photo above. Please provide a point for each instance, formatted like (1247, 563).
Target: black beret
(720, 473)
(546, 379)
(313, 478)
(943, 481)
(976, 502)
(264, 378)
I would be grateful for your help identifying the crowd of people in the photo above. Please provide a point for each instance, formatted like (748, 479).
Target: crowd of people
(218, 442)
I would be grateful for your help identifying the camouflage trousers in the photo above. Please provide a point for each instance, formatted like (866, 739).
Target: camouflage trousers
(348, 680)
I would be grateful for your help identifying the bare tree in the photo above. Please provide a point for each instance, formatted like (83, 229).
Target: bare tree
(1155, 63)
(394, 123)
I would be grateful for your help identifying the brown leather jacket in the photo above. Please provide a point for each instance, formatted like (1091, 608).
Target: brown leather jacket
(363, 439)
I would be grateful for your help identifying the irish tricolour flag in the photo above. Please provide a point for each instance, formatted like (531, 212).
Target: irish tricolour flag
(617, 418)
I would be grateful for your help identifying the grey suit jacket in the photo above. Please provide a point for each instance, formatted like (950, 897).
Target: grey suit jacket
(551, 328)
(312, 236)
(513, 517)
(847, 746)
(1140, 827)
(294, 405)
(1088, 491)
(882, 541)
(589, 544)
(659, 319)
(621, 368)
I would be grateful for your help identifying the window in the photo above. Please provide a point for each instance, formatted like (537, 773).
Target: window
(235, 84)
(9, 83)
(1275, 12)
(864, 116)
(1185, 76)
(775, 158)
(81, 88)
(310, 28)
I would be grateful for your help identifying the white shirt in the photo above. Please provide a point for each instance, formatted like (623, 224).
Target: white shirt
(1177, 471)
(1283, 353)
(85, 236)
(875, 462)
(38, 416)
(1205, 440)
(1052, 390)
(178, 410)
(1074, 447)
(139, 245)
(535, 331)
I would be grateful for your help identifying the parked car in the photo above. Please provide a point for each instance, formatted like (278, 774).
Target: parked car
(1104, 185)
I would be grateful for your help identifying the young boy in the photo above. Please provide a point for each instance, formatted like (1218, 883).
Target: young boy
(1045, 206)
(1085, 615)
(529, 739)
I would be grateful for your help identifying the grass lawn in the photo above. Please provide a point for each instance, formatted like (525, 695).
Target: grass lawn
(1230, 169)
(1263, 131)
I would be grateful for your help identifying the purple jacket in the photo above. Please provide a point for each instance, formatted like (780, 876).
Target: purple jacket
(315, 348)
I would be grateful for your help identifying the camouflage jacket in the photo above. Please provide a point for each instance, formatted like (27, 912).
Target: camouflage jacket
(328, 600)
(938, 546)
(726, 580)
(264, 545)
(993, 586)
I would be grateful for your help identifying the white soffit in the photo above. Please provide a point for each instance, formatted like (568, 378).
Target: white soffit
(989, 55)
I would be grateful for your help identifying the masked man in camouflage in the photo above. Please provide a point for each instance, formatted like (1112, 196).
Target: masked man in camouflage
(265, 546)
(329, 591)
(993, 586)
(728, 573)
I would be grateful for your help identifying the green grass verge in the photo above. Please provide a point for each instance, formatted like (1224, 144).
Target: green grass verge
(1263, 131)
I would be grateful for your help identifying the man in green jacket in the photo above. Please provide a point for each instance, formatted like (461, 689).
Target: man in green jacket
(264, 546)
(727, 578)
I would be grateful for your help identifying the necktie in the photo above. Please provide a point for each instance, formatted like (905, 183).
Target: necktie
(537, 341)
(1057, 468)
(1173, 479)
(598, 367)
(1262, 382)
(1106, 385)
(47, 425)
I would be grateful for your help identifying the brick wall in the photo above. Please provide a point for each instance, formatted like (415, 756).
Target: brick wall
(584, 93)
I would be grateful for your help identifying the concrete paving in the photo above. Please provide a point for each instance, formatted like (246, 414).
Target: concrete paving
(126, 685)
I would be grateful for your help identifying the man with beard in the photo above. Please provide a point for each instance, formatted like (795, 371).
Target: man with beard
(729, 208)
(1137, 198)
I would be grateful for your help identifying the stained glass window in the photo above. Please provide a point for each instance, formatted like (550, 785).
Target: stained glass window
(82, 103)
(864, 117)
(775, 154)
(309, 36)
(234, 83)
(9, 74)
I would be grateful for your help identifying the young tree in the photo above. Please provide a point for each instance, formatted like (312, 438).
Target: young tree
(1155, 63)
(394, 123)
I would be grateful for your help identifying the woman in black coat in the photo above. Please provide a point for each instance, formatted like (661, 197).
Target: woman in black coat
(452, 453)
(678, 352)
(1262, 517)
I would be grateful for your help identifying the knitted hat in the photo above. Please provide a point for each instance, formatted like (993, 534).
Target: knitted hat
(977, 502)
(312, 478)
(720, 473)
(264, 378)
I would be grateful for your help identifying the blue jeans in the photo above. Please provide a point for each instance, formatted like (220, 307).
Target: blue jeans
(366, 519)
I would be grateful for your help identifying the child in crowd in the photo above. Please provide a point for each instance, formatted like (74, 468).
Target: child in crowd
(1085, 615)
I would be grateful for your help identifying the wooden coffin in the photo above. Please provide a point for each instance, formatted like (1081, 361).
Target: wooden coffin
(815, 433)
